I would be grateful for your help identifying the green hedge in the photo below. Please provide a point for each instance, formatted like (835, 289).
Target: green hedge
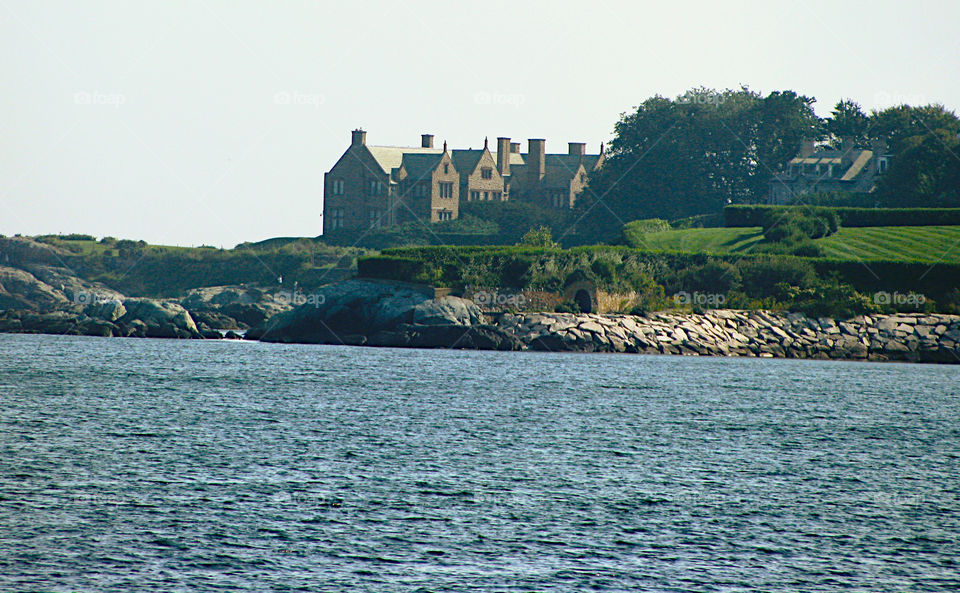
(510, 267)
(751, 216)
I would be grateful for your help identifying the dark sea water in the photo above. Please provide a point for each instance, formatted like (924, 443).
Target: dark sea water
(155, 465)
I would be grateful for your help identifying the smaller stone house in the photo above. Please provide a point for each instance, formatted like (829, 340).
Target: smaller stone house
(816, 170)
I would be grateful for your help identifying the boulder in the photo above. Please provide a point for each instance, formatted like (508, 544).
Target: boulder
(108, 310)
(20, 289)
(446, 311)
(162, 319)
(361, 307)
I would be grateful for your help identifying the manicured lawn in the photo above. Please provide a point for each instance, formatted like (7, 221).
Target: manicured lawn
(908, 243)
(717, 240)
(925, 244)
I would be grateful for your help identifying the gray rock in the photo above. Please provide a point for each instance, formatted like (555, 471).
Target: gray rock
(162, 319)
(22, 290)
(447, 310)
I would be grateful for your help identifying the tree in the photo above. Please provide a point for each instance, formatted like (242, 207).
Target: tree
(847, 120)
(926, 173)
(693, 155)
(895, 125)
(539, 237)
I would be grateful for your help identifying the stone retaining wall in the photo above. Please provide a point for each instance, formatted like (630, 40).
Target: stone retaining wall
(906, 337)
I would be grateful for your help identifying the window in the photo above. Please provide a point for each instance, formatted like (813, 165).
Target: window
(446, 190)
(486, 173)
(374, 219)
(444, 215)
(497, 195)
(559, 200)
(446, 169)
(474, 196)
(336, 221)
(337, 187)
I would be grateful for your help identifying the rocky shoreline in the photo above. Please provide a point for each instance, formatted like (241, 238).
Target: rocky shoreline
(903, 337)
(390, 314)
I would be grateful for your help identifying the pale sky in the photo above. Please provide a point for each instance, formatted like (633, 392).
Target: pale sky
(213, 122)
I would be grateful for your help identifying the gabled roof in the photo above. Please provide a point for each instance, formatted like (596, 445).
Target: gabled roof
(391, 157)
(563, 163)
(465, 160)
(421, 165)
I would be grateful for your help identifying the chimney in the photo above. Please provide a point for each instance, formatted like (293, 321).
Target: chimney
(536, 159)
(846, 151)
(515, 147)
(359, 137)
(576, 148)
(806, 148)
(503, 155)
(426, 140)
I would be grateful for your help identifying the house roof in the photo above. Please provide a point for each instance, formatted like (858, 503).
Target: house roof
(421, 165)
(465, 160)
(391, 157)
(858, 164)
(516, 159)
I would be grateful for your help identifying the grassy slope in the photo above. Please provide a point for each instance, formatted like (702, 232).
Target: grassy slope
(166, 270)
(718, 240)
(925, 244)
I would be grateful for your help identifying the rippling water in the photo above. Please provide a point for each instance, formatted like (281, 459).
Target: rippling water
(133, 465)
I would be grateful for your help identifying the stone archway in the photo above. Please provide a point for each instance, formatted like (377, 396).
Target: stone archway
(584, 300)
(584, 294)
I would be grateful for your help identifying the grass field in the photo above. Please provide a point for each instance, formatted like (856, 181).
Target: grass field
(924, 244)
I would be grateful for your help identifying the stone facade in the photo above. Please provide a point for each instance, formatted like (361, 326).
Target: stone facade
(372, 186)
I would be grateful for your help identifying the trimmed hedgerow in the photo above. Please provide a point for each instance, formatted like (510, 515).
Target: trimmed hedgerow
(753, 215)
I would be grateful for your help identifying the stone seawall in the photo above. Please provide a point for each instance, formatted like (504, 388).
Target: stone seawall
(905, 337)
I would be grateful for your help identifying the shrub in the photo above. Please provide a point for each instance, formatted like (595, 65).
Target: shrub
(761, 275)
(632, 233)
(715, 276)
(794, 225)
(538, 237)
(568, 306)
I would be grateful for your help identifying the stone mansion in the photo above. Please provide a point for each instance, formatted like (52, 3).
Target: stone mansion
(373, 186)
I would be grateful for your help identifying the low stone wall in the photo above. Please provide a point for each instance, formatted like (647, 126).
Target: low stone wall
(914, 337)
